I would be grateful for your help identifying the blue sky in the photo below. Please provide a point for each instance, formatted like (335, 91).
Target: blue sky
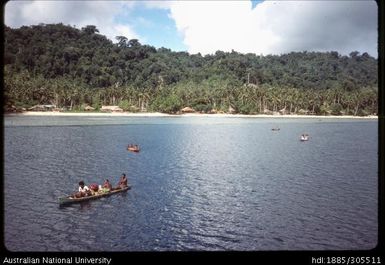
(260, 27)
(255, 3)
(155, 27)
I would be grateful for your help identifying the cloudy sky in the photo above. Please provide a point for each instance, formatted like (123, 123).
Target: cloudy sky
(261, 27)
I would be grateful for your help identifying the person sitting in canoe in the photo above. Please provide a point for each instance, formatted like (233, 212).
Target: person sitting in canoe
(83, 190)
(133, 148)
(94, 188)
(107, 185)
(122, 182)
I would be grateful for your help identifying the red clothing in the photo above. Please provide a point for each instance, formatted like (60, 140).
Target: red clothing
(94, 187)
(107, 185)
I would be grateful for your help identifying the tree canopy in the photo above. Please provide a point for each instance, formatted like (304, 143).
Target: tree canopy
(70, 67)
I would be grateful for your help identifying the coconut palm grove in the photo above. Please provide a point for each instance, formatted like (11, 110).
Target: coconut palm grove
(75, 68)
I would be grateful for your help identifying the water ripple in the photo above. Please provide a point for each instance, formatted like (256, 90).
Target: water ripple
(225, 184)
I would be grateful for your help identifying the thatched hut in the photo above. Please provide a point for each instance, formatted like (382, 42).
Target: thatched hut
(231, 110)
(89, 108)
(283, 111)
(111, 109)
(303, 112)
(187, 110)
(267, 111)
(42, 108)
(134, 108)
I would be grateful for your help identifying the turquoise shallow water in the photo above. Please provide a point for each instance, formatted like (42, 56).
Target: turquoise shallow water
(198, 184)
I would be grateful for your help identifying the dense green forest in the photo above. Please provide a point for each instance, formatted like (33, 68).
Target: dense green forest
(72, 68)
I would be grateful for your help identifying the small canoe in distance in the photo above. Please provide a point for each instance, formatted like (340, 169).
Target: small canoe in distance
(304, 138)
(275, 129)
(133, 149)
(70, 199)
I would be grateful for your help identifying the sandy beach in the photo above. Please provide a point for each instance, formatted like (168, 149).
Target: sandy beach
(158, 114)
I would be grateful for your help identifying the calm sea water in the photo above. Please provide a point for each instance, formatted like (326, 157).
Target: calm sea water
(197, 184)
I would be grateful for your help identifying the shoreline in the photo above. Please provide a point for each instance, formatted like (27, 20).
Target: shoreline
(158, 114)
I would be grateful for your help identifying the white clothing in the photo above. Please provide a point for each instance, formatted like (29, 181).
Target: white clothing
(84, 189)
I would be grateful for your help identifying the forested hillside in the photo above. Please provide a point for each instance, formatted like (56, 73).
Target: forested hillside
(73, 68)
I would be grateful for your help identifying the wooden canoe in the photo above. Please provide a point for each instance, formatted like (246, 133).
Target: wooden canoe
(133, 149)
(306, 138)
(70, 199)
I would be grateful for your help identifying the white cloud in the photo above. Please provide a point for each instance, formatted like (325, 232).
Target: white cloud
(277, 27)
(102, 14)
(161, 4)
(207, 26)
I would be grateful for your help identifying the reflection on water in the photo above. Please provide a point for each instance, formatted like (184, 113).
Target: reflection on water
(198, 184)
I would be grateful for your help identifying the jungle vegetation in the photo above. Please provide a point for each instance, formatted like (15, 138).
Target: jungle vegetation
(73, 68)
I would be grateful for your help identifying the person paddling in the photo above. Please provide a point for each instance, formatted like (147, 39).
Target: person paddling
(122, 182)
(107, 185)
